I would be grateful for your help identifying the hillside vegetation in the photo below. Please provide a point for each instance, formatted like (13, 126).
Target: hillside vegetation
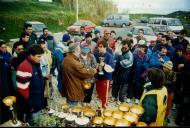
(61, 13)
(57, 15)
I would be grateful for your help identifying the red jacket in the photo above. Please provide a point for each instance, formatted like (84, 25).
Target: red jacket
(186, 55)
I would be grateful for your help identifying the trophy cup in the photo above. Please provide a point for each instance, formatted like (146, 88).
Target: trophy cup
(9, 101)
(101, 67)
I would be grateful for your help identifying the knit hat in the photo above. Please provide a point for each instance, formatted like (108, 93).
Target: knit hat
(73, 46)
(85, 47)
(168, 65)
(96, 31)
(129, 34)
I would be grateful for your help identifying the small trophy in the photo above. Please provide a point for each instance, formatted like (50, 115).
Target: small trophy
(9, 101)
(101, 67)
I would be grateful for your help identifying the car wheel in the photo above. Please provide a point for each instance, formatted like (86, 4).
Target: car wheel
(123, 25)
(106, 25)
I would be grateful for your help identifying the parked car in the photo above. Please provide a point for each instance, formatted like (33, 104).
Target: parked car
(75, 28)
(121, 20)
(144, 20)
(161, 24)
(148, 33)
(37, 27)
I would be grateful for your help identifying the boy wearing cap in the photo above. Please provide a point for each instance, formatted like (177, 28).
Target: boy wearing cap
(97, 36)
(169, 84)
(91, 44)
(88, 60)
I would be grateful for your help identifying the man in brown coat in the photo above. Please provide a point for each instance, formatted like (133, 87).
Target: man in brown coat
(74, 75)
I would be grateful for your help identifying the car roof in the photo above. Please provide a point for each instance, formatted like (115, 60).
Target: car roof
(34, 22)
(141, 27)
(83, 21)
(165, 18)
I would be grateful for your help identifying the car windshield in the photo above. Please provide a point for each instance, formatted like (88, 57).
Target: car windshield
(175, 22)
(78, 23)
(38, 27)
(147, 31)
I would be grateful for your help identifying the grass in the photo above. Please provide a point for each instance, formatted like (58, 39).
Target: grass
(13, 16)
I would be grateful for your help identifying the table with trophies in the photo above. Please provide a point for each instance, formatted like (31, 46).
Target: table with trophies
(63, 115)
(10, 101)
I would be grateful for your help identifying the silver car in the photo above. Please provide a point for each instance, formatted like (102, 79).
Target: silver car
(148, 33)
(121, 20)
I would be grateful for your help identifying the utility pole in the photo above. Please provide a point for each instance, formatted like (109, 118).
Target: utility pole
(77, 10)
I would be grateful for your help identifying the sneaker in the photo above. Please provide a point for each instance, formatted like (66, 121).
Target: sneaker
(104, 106)
(118, 102)
(113, 99)
(136, 101)
(174, 106)
(128, 100)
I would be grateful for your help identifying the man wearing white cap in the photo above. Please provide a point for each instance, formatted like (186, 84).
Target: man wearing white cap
(73, 75)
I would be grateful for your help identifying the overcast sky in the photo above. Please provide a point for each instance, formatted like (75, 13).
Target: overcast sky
(152, 6)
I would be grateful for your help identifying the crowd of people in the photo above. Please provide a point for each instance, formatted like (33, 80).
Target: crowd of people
(156, 73)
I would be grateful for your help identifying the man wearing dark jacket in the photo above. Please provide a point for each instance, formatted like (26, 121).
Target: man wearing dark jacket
(48, 39)
(30, 85)
(32, 36)
(180, 41)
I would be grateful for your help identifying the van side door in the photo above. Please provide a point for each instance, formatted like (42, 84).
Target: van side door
(111, 20)
(164, 26)
(117, 21)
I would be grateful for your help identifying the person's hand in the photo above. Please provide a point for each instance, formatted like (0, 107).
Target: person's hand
(180, 66)
(102, 64)
(161, 59)
(31, 110)
(47, 76)
(94, 70)
(97, 66)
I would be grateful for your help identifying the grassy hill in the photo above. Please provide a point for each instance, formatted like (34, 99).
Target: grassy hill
(13, 15)
(56, 16)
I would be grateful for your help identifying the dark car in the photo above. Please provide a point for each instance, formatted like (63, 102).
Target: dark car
(144, 20)
(37, 27)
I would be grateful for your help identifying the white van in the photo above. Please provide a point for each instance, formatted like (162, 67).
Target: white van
(161, 24)
(121, 20)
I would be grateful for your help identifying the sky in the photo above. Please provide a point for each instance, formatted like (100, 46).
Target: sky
(152, 6)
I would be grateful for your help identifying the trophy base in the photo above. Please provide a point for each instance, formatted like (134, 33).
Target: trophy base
(16, 125)
(101, 73)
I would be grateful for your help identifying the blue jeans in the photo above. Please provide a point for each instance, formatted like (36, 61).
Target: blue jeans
(30, 118)
(73, 103)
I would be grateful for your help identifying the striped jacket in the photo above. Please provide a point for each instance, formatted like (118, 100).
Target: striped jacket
(30, 83)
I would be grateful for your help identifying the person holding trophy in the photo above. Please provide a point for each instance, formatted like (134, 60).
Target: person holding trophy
(105, 67)
(88, 60)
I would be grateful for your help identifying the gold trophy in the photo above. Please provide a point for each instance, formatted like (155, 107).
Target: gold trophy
(9, 101)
